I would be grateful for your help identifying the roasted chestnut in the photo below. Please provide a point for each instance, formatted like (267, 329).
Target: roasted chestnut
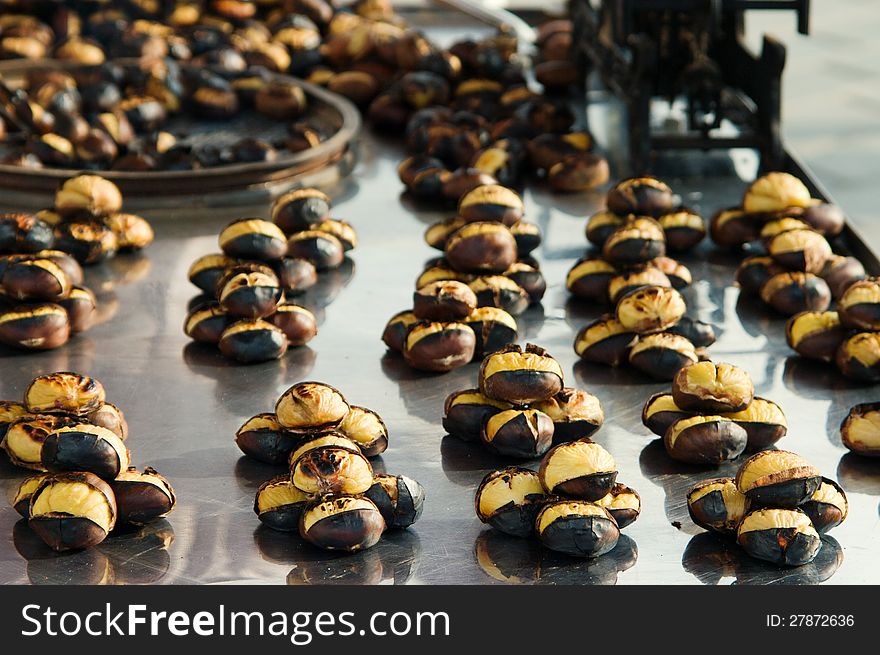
(858, 307)
(777, 478)
(439, 347)
(699, 333)
(717, 505)
(263, 438)
(299, 209)
(24, 233)
(399, 499)
(331, 469)
(733, 228)
(660, 412)
(825, 218)
(858, 357)
(800, 250)
(311, 407)
(860, 430)
(365, 428)
(763, 421)
(64, 393)
(705, 440)
(69, 511)
(781, 536)
(650, 309)
(662, 355)
(441, 272)
(576, 414)
(816, 335)
(707, 387)
(482, 247)
(527, 236)
(9, 412)
(397, 328)
(578, 172)
(840, 272)
(89, 242)
(295, 275)
(111, 417)
(643, 196)
(91, 194)
(250, 341)
(521, 433)
(827, 507)
(252, 238)
(779, 225)
(677, 273)
(491, 202)
(578, 469)
(493, 327)
(346, 523)
(509, 500)
(35, 279)
(775, 192)
(142, 497)
(683, 229)
(249, 294)
(24, 438)
(637, 241)
(501, 292)
(577, 528)
(35, 327)
(298, 323)
(342, 230)
(437, 235)
(446, 300)
(207, 270)
(623, 503)
(85, 447)
(520, 376)
(465, 413)
(602, 225)
(529, 278)
(280, 100)
(322, 249)
(22, 500)
(605, 341)
(207, 323)
(790, 293)
(279, 504)
(82, 309)
(630, 280)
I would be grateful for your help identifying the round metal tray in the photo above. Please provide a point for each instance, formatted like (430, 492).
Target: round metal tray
(339, 117)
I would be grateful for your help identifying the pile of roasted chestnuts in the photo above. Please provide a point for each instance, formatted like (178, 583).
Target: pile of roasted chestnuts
(521, 407)
(573, 504)
(465, 301)
(330, 494)
(67, 431)
(243, 308)
(777, 507)
(712, 415)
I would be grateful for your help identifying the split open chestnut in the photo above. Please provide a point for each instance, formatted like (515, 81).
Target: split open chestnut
(251, 341)
(792, 292)
(67, 393)
(777, 478)
(816, 335)
(763, 421)
(299, 209)
(782, 536)
(491, 202)
(637, 241)
(367, 429)
(684, 229)
(70, 511)
(111, 417)
(465, 413)
(24, 437)
(311, 407)
(298, 324)
(500, 291)
(858, 357)
(439, 347)
(482, 247)
(859, 306)
(85, 447)
(602, 225)
(253, 238)
(321, 248)
(577, 528)
(660, 412)
(344, 523)
(827, 507)
(623, 503)
(578, 469)
(775, 192)
(650, 309)
(860, 430)
(645, 196)
(279, 504)
(520, 433)
(446, 300)
(630, 280)
(263, 438)
(399, 499)
(142, 497)
(21, 501)
(397, 328)
(521, 376)
(662, 355)
(705, 440)
(707, 387)
(717, 505)
(800, 250)
(331, 469)
(509, 500)
(575, 413)
(605, 341)
(41, 326)
(249, 294)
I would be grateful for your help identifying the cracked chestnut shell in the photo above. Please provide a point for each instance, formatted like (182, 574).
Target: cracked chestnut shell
(252, 340)
(577, 528)
(785, 537)
(35, 279)
(501, 292)
(491, 202)
(650, 309)
(660, 412)
(88, 241)
(840, 272)
(299, 209)
(298, 324)
(717, 505)
(142, 497)
(439, 347)
(777, 478)
(253, 238)
(575, 413)
(825, 218)
(365, 428)
(249, 294)
(860, 430)
(520, 376)
(662, 355)
(800, 250)
(399, 499)
(88, 193)
(85, 447)
(646, 196)
(816, 335)
(482, 247)
(9, 412)
(605, 341)
(24, 233)
(626, 281)
(602, 225)
(24, 438)
(208, 269)
(792, 292)
(623, 503)
(263, 438)
(322, 249)
(21, 501)
(509, 500)
(705, 440)
(859, 306)
(70, 511)
(64, 392)
(827, 507)
(707, 387)
(493, 327)
(529, 278)
(858, 357)
(280, 505)
(445, 300)
(637, 241)
(280, 100)
(763, 421)
(206, 323)
(578, 172)
(437, 235)
(346, 523)
(754, 271)
(397, 328)
(82, 309)
(111, 417)
(683, 229)
(520, 433)
(311, 407)
(578, 469)
(331, 469)
(465, 412)
(775, 192)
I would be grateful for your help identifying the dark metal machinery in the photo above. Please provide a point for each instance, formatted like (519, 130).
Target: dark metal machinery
(690, 50)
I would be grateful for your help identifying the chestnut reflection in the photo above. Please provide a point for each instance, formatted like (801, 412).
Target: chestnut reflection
(140, 555)
(47, 567)
(858, 474)
(465, 464)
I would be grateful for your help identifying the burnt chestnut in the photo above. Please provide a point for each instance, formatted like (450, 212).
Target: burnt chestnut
(465, 413)
(9, 412)
(250, 341)
(64, 393)
(344, 523)
(605, 341)
(35, 279)
(491, 202)
(439, 347)
(446, 300)
(311, 407)
(527, 236)
(637, 241)
(295, 275)
(707, 387)
(677, 273)
(683, 229)
(785, 537)
(24, 438)
(520, 376)
(705, 440)
(111, 417)
(481, 248)
(249, 294)
(509, 500)
(263, 438)
(733, 227)
(777, 478)
(827, 507)
(800, 250)
(630, 280)
(578, 469)
(775, 192)
(82, 309)
(602, 225)
(650, 309)
(24, 233)
(142, 497)
(576, 414)
(662, 355)
(644, 196)
(22, 500)
(91, 194)
(840, 272)
(299, 209)
(577, 528)
(790, 293)
(332, 469)
(860, 430)
(699, 333)
(578, 172)
(763, 421)
(397, 328)
(67, 264)
(85, 447)
(298, 323)
(660, 412)
(252, 238)
(207, 270)
(35, 327)
(206, 323)
(529, 278)
(89, 242)
(399, 499)
(520, 433)
(623, 503)
(501, 292)
(70, 511)
(493, 327)
(717, 505)
(365, 428)
(279, 504)
(858, 357)
(816, 335)
(858, 307)
(322, 249)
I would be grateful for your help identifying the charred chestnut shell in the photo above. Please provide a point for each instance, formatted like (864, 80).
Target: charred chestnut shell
(399, 499)
(792, 292)
(706, 440)
(800, 250)
(575, 413)
(683, 229)
(482, 247)
(111, 417)
(763, 421)
(465, 413)
(660, 412)
(322, 249)
(250, 341)
(24, 233)
(365, 428)
(637, 241)
(345, 523)
(707, 387)
(577, 528)
(650, 309)
(578, 469)
(298, 324)
(142, 497)
(85, 447)
(827, 507)
(439, 347)
(520, 376)
(860, 430)
(605, 341)
(397, 328)
(279, 504)
(501, 292)
(840, 272)
(859, 306)
(250, 294)
(602, 225)
(816, 335)
(491, 202)
(445, 300)
(782, 536)
(717, 505)
(206, 323)
(520, 433)
(22, 500)
(253, 238)
(699, 333)
(509, 500)
(645, 196)
(662, 355)
(311, 407)
(263, 438)
(623, 503)
(858, 357)
(331, 469)
(754, 271)
(68, 393)
(494, 329)
(777, 478)
(207, 270)
(630, 280)
(24, 437)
